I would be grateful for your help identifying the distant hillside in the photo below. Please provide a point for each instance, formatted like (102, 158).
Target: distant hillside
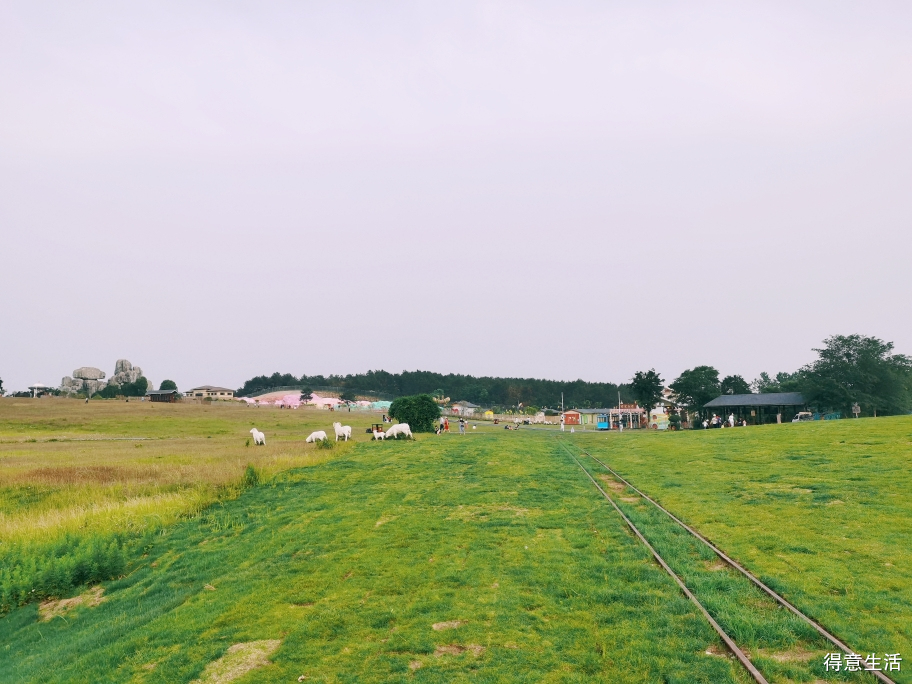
(485, 391)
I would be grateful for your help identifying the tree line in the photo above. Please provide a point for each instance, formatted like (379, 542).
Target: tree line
(848, 369)
(484, 391)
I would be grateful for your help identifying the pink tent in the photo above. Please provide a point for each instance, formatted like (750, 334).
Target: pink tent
(317, 400)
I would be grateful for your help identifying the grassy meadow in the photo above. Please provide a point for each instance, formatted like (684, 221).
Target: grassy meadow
(819, 511)
(488, 557)
(89, 483)
(68, 466)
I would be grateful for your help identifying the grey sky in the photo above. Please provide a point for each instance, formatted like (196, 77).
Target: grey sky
(561, 190)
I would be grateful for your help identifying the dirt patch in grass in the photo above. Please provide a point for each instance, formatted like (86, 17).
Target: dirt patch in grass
(415, 665)
(238, 660)
(456, 649)
(612, 483)
(48, 610)
(452, 624)
(794, 655)
(384, 519)
(471, 512)
(630, 499)
(716, 565)
(716, 650)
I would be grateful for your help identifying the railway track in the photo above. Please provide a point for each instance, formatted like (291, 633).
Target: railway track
(729, 642)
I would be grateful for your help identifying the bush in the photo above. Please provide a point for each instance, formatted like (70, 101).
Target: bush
(326, 444)
(33, 572)
(420, 412)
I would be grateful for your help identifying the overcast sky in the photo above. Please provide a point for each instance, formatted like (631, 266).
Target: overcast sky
(219, 190)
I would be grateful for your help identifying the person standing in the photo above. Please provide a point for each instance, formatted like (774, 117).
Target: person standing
(461, 426)
(731, 420)
(442, 421)
(562, 422)
(446, 425)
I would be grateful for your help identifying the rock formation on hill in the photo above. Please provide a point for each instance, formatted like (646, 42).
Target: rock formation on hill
(91, 380)
(86, 378)
(124, 372)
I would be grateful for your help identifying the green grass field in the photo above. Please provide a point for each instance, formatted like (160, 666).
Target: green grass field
(488, 557)
(820, 511)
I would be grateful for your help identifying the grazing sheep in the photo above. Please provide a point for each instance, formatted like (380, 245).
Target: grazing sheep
(342, 431)
(379, 434)
(258, 437)
(399, 429)
(317, 436)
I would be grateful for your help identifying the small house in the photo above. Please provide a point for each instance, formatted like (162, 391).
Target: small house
(210, 392)
(166, 396)
(572, 418)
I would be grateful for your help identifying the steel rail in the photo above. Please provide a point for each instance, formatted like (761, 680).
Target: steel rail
(732, 646)
(737, 566)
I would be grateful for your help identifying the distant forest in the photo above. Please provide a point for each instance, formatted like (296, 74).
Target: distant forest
(485, 391)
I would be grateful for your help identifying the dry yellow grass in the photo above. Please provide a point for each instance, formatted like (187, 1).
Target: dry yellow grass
(48, 610)
(67, 467)
(238, 660)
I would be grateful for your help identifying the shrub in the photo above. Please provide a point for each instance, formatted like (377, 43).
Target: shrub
(32, 572)
(326, 444)
(420, 412)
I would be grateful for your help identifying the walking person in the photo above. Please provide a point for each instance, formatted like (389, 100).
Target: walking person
(446, 425)
(461, 426)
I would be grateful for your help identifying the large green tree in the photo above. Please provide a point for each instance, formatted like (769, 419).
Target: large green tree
(167, 385)
(854, 368)
(646, 387)
(782, 382)
(1, 387)
(734, 384)
(420, 412)
(695, 387)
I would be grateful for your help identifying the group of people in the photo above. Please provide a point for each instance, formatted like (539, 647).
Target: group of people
(720, 422)
(444, 425)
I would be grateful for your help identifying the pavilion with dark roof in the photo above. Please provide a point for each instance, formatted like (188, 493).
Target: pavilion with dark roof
(757, 409)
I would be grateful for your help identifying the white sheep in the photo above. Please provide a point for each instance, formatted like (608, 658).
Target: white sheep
(399, 429)
(342, 431)
(379, 434)
(258, 437)
(317, 436)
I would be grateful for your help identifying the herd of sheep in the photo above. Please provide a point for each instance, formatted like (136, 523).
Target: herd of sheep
(343, 431)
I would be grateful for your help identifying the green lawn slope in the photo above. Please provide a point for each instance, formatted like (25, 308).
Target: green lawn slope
(345, 568)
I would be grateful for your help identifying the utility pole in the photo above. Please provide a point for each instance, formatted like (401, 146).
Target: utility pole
(562, 402)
